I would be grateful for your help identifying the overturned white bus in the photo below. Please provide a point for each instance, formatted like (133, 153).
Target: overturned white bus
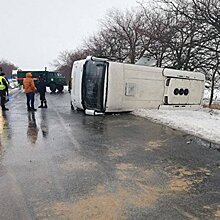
(99, 85)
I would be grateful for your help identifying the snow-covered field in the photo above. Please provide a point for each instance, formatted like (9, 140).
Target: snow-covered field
(204, 123)
(216, 97)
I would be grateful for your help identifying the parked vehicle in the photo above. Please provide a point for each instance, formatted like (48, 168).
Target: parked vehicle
(100, 86)
(13, 83)
(54, 80)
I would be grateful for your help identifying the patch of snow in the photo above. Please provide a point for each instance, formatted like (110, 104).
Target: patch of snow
(204, 123)
(216, 97)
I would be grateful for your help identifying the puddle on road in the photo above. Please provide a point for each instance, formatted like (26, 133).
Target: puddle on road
(3, 132)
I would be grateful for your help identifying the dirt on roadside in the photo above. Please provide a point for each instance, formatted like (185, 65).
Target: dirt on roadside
(213, 106)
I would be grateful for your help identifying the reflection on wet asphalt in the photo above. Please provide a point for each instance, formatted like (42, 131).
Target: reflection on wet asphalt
(32, 130)
(59, 164)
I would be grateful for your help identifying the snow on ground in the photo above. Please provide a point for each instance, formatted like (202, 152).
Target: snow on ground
(204, 123)
(216, 96)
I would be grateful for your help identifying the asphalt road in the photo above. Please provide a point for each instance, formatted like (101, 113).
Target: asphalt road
(61, 164)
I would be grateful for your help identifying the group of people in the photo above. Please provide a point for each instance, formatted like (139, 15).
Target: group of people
(29, 88)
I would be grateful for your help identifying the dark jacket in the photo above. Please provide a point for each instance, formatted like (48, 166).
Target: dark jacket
(41, 87)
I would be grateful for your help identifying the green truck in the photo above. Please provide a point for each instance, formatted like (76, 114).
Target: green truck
(54, 80)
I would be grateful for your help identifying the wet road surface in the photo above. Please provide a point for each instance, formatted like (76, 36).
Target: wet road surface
(60, 164)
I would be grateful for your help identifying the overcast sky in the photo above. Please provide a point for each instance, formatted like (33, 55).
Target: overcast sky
(34, 32)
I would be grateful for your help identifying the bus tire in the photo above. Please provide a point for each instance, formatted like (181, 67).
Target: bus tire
(60, 88)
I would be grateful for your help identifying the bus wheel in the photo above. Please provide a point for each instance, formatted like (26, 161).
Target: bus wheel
(60, 88)
(53, 87)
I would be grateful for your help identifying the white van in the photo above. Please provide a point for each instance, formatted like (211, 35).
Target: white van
(100, 86)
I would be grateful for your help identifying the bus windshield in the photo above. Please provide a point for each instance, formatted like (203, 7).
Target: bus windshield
(93, 85)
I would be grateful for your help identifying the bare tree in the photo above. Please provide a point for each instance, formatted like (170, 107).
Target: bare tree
(207, 14)
(65, 59)
(202, 11)
(157, 35)
(184, 34)
(211, 63)
(7, 67)
(169, 37)
(119, 37)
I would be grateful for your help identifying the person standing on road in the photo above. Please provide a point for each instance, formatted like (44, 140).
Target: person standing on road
(42, 90)
(3, 91)
(7, 93)
(29, 89)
